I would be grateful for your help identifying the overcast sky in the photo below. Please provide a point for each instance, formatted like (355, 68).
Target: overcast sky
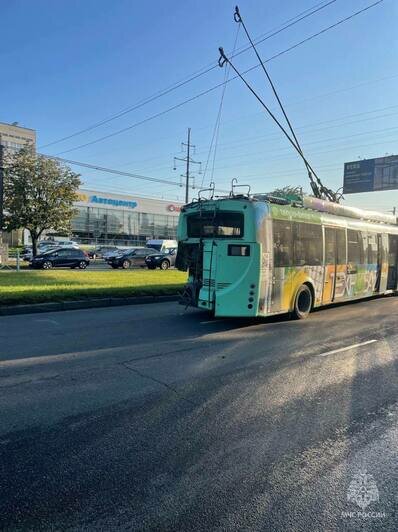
(68, 65)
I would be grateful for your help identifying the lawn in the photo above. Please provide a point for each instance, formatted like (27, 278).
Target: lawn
(58, 285)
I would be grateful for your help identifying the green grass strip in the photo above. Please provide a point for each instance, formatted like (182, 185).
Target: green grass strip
(59, 285)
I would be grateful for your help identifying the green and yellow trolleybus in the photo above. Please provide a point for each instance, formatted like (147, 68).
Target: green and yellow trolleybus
(260, 256)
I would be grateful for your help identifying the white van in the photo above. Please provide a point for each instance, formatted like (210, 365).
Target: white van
(162, 245)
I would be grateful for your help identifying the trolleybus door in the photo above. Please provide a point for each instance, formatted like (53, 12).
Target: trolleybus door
(392, 280)
(335, 271)
(379, 263)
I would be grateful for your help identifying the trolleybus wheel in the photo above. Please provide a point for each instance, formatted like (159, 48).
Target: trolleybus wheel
(303, 302)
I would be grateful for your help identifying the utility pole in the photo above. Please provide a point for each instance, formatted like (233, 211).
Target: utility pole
(188, 160)
(187, 176)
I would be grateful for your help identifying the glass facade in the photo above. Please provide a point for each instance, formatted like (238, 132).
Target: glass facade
(104, 224)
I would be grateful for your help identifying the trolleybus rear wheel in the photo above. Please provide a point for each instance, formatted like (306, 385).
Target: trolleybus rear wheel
(303, 302)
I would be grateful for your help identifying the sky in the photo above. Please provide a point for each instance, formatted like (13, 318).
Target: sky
(71, 64)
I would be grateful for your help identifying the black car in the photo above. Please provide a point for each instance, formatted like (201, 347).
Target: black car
(132, 258)
(162, 260)
(98, 253)
(61, 258)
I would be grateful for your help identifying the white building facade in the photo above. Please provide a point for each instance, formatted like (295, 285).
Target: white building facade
(105, 217)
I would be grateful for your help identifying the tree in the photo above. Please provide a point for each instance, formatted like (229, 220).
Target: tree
(38, 194)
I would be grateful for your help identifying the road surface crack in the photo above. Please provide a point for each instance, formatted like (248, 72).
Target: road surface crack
(162, 383)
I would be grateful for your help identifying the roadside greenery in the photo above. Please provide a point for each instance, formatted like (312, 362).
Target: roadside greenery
(38, 194)
(45, 286)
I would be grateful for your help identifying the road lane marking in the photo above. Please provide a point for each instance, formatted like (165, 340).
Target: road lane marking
(212, 322)
(353, 346)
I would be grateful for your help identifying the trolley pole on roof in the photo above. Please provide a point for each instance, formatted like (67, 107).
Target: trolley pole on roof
(188, 160)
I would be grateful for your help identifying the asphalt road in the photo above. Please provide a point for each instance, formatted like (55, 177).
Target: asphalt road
(152, 418)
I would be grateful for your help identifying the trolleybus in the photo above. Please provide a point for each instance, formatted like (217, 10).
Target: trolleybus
(260, 256)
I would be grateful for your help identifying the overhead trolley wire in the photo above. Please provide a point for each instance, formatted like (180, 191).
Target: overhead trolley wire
(114, 171)
(316, 185)
(319, 190)
(215, 87)
(216, 130)
(205, 70)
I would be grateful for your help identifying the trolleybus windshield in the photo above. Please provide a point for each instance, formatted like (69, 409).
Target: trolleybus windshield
(220, 224)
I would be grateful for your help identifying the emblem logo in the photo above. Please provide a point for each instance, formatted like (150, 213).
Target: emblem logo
(173, 208)
(362, 490)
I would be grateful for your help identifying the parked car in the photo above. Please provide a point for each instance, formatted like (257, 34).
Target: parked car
(162, 245)
(162, 260)
(100, 251)
(131, 258)
(42, 246)
(46, 245)
(63, 243)
(61, 258)
(109, 255)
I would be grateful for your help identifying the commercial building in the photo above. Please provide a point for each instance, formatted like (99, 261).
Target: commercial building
(102, 217)
(122, 219)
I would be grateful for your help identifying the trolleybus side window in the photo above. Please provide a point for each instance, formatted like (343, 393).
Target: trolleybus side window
(356, 253)
(372, 248)
(341, 257)
(330, 245)
(307, 244)
(283, 255)
(220, 224)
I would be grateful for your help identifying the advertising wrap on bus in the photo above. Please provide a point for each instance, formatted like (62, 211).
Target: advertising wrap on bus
(246, 257)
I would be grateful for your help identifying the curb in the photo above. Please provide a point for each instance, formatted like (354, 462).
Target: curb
(84, 304)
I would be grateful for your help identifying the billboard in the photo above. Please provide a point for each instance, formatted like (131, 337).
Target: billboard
(371, 175)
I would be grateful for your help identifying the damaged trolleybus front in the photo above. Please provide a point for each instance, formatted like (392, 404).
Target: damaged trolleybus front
(219, 247)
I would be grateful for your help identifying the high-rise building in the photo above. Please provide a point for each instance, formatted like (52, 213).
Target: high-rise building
(14, 137)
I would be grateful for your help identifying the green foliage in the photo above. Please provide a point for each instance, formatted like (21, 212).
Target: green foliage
(288, 193)
(38, 193)
(58, 285)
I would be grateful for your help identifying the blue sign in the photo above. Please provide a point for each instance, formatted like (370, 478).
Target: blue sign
(114, 202)
(371, 174)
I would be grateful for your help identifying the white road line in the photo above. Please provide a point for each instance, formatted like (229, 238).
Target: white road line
(211, 322)
(353, 346)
